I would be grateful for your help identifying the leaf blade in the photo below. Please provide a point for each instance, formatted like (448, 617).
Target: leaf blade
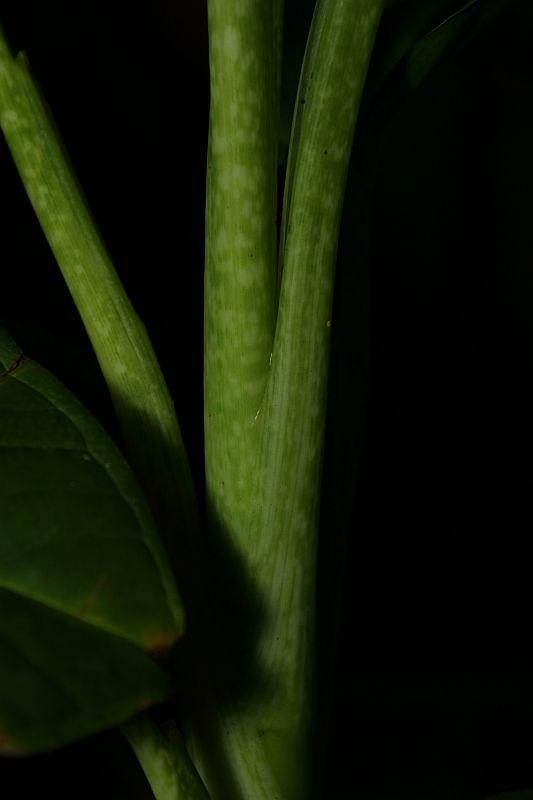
(44, 700)
(77, 547)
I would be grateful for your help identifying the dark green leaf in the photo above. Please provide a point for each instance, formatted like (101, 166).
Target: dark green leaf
(84, 584)
(455, 31)
(416, 36)
(404, 23)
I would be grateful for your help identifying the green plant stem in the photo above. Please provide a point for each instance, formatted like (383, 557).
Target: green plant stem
(142, 402)
(244, 51)
(164, 760)
(264, 472)
(240, 289)
(284, 524)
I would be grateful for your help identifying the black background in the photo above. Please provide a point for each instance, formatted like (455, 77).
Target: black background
(433, 694)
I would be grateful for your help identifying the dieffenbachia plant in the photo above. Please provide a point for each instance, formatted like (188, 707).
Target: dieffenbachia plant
(87, 594)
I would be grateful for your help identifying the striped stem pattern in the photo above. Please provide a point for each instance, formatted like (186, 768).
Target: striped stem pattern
(267, 330)
(264, 468)
(142, 402)
(165, 761)
(144, 408)
(240, 241)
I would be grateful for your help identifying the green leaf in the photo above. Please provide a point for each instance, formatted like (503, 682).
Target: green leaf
(449, 35)
(416, 36)
(405, 22)
(85, 588)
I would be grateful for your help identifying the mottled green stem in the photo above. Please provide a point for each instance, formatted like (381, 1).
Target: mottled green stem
(240, 271)
(165, 761)
(265, 446)
(240, 298)
(284, 520)
(143, 404)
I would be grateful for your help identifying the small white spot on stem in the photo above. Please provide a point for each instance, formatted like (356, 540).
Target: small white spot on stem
(231, 41)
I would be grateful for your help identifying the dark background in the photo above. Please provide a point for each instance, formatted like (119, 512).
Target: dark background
(433, 691)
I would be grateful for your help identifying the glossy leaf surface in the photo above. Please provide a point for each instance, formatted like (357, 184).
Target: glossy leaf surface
(85, 589)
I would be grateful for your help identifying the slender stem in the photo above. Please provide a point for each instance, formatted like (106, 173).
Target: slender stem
(264, 459)
(244, 51)
(164, 760)
(240, 298)
(142, 402)
(284, 525)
